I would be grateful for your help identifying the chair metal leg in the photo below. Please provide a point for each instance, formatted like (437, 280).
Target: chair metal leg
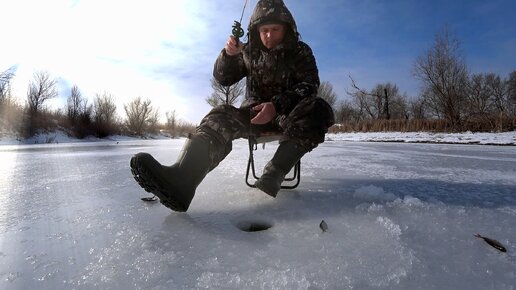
(251, 168)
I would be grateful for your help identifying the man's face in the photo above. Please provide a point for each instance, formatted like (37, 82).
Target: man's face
(271, 34)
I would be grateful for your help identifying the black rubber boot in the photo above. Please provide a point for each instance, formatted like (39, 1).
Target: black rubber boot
(287, 155)
(174, 185)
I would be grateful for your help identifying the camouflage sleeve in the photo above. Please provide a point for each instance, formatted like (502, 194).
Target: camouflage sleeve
(228, 69)
(306, 77)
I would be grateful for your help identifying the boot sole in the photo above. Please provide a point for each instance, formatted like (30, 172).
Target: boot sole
(147, 181)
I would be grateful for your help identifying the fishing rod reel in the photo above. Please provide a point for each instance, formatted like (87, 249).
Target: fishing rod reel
(237, 30)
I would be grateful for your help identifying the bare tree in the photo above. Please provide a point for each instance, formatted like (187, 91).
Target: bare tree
(225, 94)
(417, 109)
(443, 72)
(79, 113)
(382, 102)
(488, 98)
(104, 115)
(141, 116)
(10, 112)
(345, 112)
(478, 96)
(184, 128)
(388, 102)
(104, 108)
(361, 99)
(171, 123)
(5, 83)
(41, 89)
(499, 98)
(76, 104)
(153, 122)
(326, 92)
(86, 115)
(401, 107)
(511, 92)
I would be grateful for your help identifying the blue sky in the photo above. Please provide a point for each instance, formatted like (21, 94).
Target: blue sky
(164, 50)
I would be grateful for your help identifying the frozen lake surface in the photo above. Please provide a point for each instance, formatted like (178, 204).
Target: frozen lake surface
(400, 216)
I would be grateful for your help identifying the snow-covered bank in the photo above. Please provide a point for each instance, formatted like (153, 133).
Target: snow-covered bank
(505, 138)
(60, 137)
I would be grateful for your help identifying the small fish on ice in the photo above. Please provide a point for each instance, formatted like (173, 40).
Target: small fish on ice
(493, 243)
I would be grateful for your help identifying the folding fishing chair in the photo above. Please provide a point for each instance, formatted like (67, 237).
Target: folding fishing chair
(289, 182)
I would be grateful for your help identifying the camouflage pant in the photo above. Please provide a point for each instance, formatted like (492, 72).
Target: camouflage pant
(306, 125)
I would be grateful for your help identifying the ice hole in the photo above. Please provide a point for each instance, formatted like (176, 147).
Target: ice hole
(253, 226)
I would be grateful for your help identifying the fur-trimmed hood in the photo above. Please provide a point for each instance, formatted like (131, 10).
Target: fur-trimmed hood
(272, 10)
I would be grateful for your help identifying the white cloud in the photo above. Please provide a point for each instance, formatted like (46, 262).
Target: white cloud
(125, 48)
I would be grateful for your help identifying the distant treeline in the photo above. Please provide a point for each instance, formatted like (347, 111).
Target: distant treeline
(80, 118)
(451, 99)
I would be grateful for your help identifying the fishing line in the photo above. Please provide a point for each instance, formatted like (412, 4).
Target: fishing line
(238, 32)
(237, 26)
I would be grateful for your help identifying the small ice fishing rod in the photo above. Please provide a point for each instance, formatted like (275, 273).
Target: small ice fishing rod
(237, 26)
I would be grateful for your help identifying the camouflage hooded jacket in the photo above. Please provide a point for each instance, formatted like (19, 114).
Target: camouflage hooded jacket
(283, 75)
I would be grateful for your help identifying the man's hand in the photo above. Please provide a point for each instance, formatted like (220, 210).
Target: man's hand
(266, 113)
(233, 46)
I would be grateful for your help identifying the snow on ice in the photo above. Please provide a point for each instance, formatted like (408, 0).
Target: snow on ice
(399, 216)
